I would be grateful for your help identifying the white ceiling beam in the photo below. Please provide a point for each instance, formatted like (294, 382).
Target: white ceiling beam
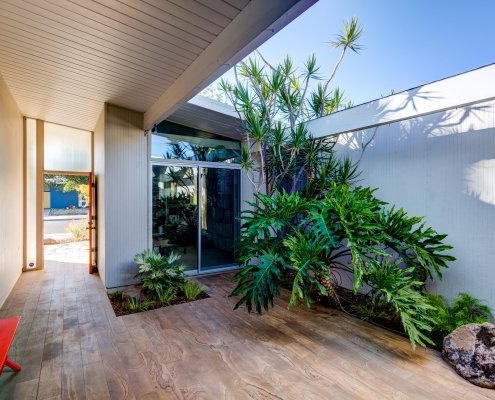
(258, 21)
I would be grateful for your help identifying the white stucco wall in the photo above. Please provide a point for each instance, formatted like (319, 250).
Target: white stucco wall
(441, 166)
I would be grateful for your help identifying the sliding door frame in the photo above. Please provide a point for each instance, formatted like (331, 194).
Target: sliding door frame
(198, 165)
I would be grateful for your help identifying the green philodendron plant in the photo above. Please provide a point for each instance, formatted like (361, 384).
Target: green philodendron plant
(350, 230)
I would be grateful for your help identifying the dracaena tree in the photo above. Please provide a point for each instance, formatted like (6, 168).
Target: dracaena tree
(274, 102)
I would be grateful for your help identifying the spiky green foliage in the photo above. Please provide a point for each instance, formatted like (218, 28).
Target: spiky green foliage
(317, 236)
(167, 296)
(465, 309)
(191, 290)
(138, 306)
(158, 272)
(274, 102)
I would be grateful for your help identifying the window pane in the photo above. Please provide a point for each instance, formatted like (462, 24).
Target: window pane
(220, 189)
(67, 149)
(175, 212)
(30, 193)
(172, 141)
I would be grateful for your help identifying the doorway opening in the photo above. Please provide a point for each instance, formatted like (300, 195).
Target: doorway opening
(67, 219)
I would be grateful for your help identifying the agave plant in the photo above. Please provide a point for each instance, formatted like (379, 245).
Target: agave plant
(158, 272)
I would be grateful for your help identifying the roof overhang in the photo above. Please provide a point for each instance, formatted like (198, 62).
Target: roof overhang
(62, 60)
(205, 114)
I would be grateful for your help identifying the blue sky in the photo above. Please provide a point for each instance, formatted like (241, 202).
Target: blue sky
(405, 43)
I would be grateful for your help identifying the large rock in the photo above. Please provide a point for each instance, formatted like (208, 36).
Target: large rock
(470, 350)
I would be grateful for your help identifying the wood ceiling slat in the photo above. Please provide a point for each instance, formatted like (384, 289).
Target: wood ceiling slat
(221, 7)
(107, 34)
(201, 11)
(62, 103)
(178, 37)
(69, 64)
(201, 28)
(71, 39)
(40, 80)
(239, 4)
(213, 22)
(12, 65)
(129, 33)
(62, 97)
(80, 61)
(137, 94)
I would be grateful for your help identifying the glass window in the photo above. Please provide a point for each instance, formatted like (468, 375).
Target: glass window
(30, 193)
(175, 212)
(67, 149)
(172, 141)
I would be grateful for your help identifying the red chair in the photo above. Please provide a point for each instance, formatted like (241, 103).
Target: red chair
(7, 332)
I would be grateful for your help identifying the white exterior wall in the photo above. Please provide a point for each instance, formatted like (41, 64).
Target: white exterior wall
(11, 192)
(99, 176)
(441, 166)
(121, 169)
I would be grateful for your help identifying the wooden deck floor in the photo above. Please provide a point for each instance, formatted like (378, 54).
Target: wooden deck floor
(71, 345)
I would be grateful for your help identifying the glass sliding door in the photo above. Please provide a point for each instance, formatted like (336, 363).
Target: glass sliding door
(220, 192)
(195, 212)
(175, 212)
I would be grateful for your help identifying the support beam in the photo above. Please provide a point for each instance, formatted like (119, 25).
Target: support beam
(259, 20)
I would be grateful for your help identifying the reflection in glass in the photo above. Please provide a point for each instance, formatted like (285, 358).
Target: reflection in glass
(220, 189)
(172, 141)
(175, 212)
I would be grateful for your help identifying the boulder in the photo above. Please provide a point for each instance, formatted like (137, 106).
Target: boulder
(470, 350)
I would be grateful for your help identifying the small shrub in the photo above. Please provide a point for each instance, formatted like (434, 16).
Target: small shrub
(78, 230)
(167, 296)
(116, 295)
(158, 273)
(192, 290)
(136, 306)
(465, 309)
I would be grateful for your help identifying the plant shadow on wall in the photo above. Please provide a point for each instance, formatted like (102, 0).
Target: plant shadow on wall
(163, 284)
(314, 219)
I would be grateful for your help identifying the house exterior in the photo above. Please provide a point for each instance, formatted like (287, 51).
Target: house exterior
(83, 86)
(108, 90)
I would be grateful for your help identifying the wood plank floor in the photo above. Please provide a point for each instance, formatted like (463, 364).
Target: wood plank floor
(71, 346)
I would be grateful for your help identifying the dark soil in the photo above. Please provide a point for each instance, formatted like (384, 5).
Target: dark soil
(120, 303)
(358, 305)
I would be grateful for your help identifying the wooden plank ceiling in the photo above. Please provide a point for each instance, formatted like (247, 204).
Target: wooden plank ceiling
(62, 59)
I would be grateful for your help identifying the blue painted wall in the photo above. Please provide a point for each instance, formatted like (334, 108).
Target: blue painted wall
(59, 199)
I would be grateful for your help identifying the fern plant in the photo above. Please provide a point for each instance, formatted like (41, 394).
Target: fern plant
(158, 272)
(191, 290)
(465, 309)
(167, 296)
(138, 306)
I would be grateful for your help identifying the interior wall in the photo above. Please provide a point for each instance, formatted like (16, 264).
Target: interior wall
(121, 171)
(441, 166)
(11, 192)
